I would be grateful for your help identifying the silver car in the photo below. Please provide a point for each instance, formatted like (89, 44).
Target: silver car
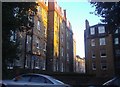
(33, 80)
(114, 82)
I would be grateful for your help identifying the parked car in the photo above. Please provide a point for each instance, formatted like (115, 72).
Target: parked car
(33, 80)
(114, 82)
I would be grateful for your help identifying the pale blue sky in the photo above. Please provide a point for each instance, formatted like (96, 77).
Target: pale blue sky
(77, 13)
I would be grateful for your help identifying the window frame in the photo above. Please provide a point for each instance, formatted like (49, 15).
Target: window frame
(116, 40)
(101, 29)
(102, 41)
(103, 64)
(92, 30)
(38, 25)
(93, 66)
(103, 52)
(92, 42)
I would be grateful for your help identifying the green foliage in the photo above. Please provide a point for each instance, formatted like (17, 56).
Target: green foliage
(14, 15)
(110, 11)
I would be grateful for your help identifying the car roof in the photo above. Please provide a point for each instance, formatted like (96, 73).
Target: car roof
(46, 76)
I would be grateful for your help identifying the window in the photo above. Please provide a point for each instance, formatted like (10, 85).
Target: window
(46, 2)
(101, 29)
(37, 43)
(27, 62)
(67, 45)
(36, 65)
(31, 19)
(103, 66)
(93, 66)
(62, 51)
(62, 25)
(44, 47)
(117, 52)
(62, 37)
(103, 53)
(38, 8)
(116, 40)
(93, 54)
(24, 78)
(28, 39)
(13, 36)
(67, 34)
(92, 42)
(62, 68)
(102, 41)
(92, 31)
(116, 32)
(45, 31)
(40, 79)
(67, 57)
(38, 25)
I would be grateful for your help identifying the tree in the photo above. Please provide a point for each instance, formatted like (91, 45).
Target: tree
(110, 11)
(14, 15)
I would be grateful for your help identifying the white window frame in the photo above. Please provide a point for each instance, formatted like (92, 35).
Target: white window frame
(38, 25)
(92, 42)
(93, 66)
(28, 39)
(101, 29)
(116, 32)
(103, 64)
(92, 31)
(93, 53)
(117, 52)
(62, 37)
(62, 54)
(37, 43)
(116, 40)
(102, 41)
(13, 36)
(67, 45)
(67, 57)
(46, 2)
(102, 53)
(39, 9)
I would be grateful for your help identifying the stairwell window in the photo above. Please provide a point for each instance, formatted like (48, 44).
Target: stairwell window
(102, 41)
(92, 42)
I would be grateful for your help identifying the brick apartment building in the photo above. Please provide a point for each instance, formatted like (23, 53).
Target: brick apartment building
(59, 41)
(49, 43)
(33, 42)
(116, 50)
(99, 56)
(80, 64)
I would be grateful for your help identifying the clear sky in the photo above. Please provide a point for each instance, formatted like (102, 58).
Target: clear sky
(77, 12)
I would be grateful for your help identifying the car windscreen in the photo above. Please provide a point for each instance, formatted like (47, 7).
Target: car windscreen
(55, 80)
